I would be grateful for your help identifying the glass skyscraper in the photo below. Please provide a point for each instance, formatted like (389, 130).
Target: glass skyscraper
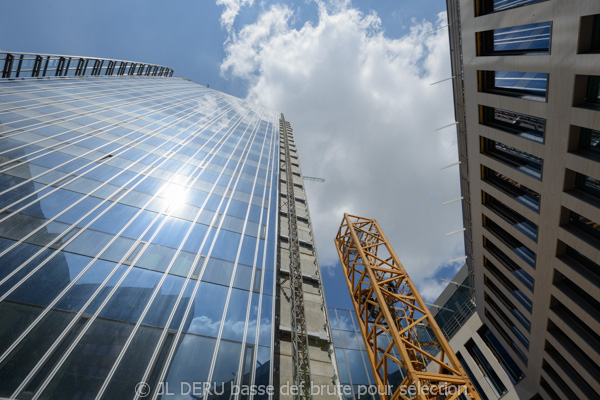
(138, 234)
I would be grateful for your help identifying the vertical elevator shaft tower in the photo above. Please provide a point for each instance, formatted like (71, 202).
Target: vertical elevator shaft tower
(390, 311)
(301, 361)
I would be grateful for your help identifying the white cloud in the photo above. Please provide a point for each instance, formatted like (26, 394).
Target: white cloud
(231, 11)
(364, 117)
(431, 288)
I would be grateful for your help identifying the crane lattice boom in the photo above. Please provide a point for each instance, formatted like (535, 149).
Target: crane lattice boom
(391, 315)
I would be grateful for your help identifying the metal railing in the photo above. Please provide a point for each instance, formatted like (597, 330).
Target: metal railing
(459, 318)
(30, 65)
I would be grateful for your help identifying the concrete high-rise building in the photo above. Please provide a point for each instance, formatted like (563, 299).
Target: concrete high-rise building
(141, 232)
(526, 90)
(483, 357)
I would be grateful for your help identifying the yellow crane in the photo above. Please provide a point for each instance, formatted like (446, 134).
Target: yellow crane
(390, 311)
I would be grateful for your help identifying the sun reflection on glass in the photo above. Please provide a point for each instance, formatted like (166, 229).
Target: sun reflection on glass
(174, 196)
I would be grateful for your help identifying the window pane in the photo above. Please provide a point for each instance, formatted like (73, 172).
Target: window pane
(507, 322)
(130, 298)
(218, 271)
(17, 256)
(233, 328)
(509, 264)
(190, 349)
(512, 217)
(265, 321)
(15, 319)
(226, 366)
(133, 365)
(226, 245)
(84, 371)
(486, 369)
(508, 364)
(517, 293)
(358, 372)
(512, 188)
(525, 126)
(519, 316)
(46, 283)
(515, 158)
(515, 245)
(516, 40)
(207, 312)
(472, 377)
(489, 6)
(85, 286)
(588, 185)
(592, 95)
(163, 303)
(587, 227)
(589, 140)
(524, 85)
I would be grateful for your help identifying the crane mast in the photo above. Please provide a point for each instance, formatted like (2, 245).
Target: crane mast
(390, 313)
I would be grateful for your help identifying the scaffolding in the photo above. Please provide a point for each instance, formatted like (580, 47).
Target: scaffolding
(300, 360)
(390, 311)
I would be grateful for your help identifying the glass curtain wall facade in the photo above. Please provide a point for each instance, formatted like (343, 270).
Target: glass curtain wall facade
(138, 223)
(352, 360)
(355, 374)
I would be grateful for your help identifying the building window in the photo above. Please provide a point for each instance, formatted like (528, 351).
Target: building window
(486, 369)
(579, 296)
(567, 369)
(517, 159)
(508, 364)
(585, 226)
(507, 322)
(519, 192)
(587, 91)
(505, 336)
(509, 264)
(515, 40)
(589, 34)
(592, 93)
(589, 140)
(474, 380)
(520, 223)
(483, 7)
(544, 385)
(522, 125)
(454, 309)
(578, 354)
(580, 263)
(583, 186)
(523, 85)
(581, 328)
(585, 142)
(515, 245)
(519, 316)
(511, 288)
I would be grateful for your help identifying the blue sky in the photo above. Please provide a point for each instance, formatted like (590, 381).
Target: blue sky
(352, 77)
(185, 35)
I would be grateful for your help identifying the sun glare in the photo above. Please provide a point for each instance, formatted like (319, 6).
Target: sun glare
(174, 196)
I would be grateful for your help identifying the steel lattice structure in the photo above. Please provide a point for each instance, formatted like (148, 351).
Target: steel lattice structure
(389, 311)
(301, 364)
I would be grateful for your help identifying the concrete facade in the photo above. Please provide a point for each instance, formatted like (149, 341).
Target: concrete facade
(465, 337)
(555, 341)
